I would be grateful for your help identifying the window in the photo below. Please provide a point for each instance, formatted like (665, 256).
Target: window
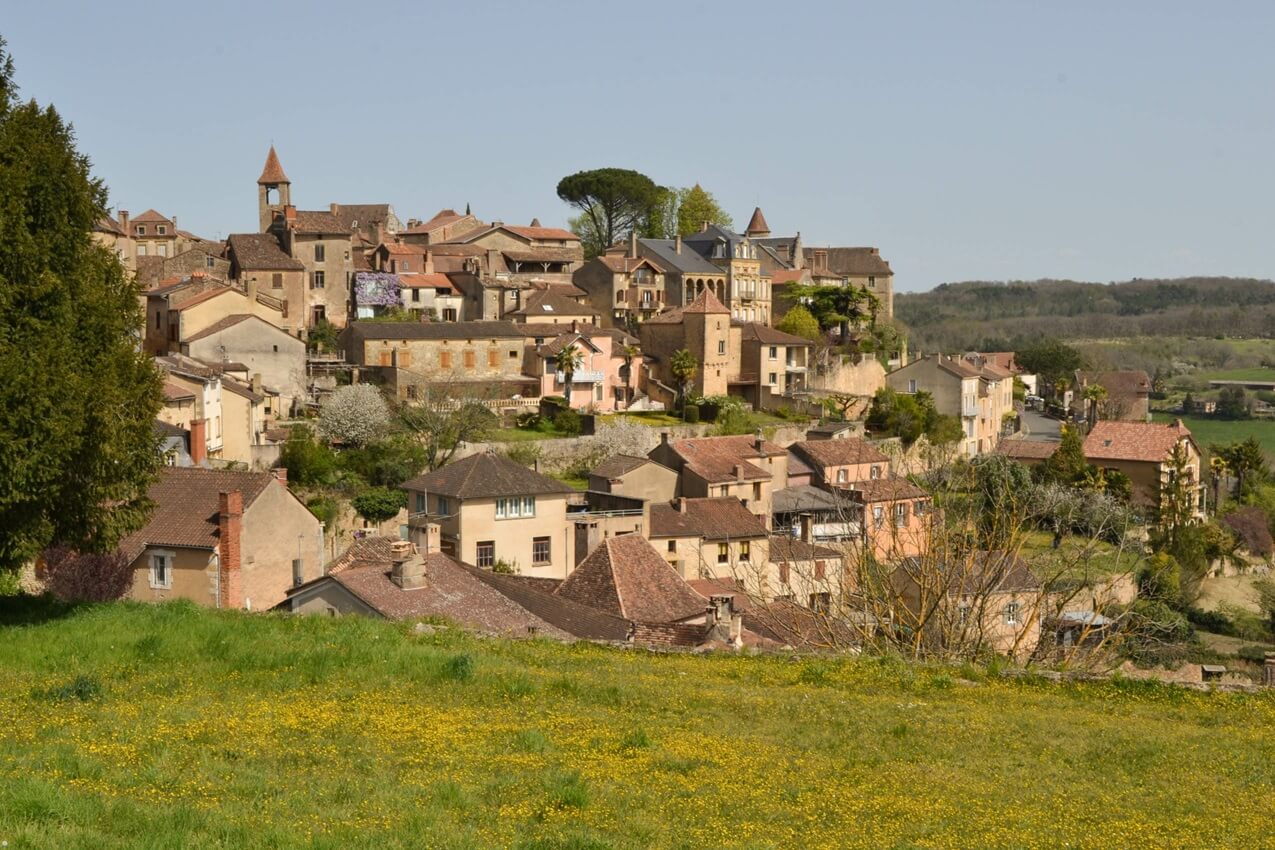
(514, 507)
(445, 359)
(486, 553)
(157, 321)
(387, 358)
(443, 506)
(821, 570)
(320, 253)
(901, 514)
(744, 550)
(161, 229)
(783, 572)
(420, 503)
(872, 282)
(209, 262)
(842, 476)
(161, 570)
(141, 230)
(757, 490)
(316, 280)
(774, 352)
(912, 385)
(141, 250)
(404, 358)
(540, 550)
(276, 280)
(820, 603)
(161, 250)
(878, 516)
(723, 553)
(1013, 615)
(276, 349)
(493, 358)
(721, 346)
(672, 546)
(405, 266)
(469, 359)
(513, 355)
(773, 378)
(875, 472)
(919, 508)
(416, 295)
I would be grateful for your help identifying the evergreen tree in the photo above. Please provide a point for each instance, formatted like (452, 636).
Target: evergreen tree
(77, 398)
(1067, 464)
(697, 206)
(800, 322)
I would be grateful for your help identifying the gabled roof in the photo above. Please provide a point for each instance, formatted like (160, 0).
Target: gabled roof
(558, 343)
(228, 322)
(152, 217)
(802, 498)
(206, 295)
(627, 265)
(319, 221)
(361, 216)
(718, 518)
(261, 251)
(617, 465)
(187, 506)
(1023, 449)
(706, 302)
(757, 224)
(174, 391)
(545, 302)
(769, 336)
(442, 218)
(1149, 442)
(272, 172)
(625, 576)
(422, 280)
(547, 233)
(361, 331)
(484, 476)
(714, 458)
(787, 549)
(107, 224)
(890, 489)
(843, 452)
(852, 261)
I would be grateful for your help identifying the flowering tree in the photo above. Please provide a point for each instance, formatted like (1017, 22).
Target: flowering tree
(86, 577)
(354, 415)
(377, 289)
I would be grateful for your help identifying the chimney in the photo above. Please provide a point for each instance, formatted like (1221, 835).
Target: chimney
(407, 569)
(433, 538)
(677, 244)
(806, 528)
(429, 263)
(256, 383)
(280, 474)
(198, 442)
(681, 504)
(497, 223)
(724, 622)
(290, 215)
(124, 220)
(739, 472)
(664, 438)
(703, 228)
(633, 244)
(250, 287)
(174, 221)
(229, 531)
(298, 572)
(334, 208)
(758, 440)
(380, 231)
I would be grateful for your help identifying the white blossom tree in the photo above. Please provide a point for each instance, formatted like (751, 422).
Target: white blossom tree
(354, 415)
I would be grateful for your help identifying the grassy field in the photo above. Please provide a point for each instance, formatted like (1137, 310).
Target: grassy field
(128, 726)
(1208, 430)
(1256, 374)
(1078, 557)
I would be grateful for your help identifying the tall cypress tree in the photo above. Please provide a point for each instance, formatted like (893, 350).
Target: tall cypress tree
(77, 397)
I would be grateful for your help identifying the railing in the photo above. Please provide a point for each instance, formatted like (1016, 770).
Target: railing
(604, 514)
(969, 410)
(582, 377)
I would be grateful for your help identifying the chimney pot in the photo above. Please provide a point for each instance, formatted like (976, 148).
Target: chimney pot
(664, 438)
(409, 573)
(758, 440)
(677, 244)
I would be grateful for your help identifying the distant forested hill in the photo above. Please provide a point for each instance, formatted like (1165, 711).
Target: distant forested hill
(971, 315)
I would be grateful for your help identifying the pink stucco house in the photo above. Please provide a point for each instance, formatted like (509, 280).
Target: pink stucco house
(605, 380)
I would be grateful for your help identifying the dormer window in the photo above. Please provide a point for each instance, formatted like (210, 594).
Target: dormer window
(161, 229)
(141, 230)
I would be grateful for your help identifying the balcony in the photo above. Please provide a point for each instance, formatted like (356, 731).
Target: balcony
(969, 409)
(581, 377)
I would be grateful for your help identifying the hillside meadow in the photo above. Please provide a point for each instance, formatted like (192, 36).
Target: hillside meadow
(128, 726)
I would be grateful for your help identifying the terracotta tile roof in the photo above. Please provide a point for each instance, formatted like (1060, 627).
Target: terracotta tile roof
(617, 465)
(626, 265)
(361, 331)
(551, 348)
(787, 549)
(366, 551)
(625, 576)
(402, 249)
(982, 572)
(706, 302)
(757, 224)
(714, 458)
(421, 280)
(545, 302)
(107, 224)
(781, 623)
(174, 391)
(545, 233)
(484, 476)
(1149, 442)
(362, 216)
(570, 616)
(769, 336)
(187, 506)
(853, 261)
(319, 221)
(201, 297)
(884, 490)
(1021, 449)
(272, 172)
(1128, 385)
(152, 217)
(441, 219)
(254, 251)
(718, 518)
(842, 452)
(220, 325)
(783, 276)
(543, 254)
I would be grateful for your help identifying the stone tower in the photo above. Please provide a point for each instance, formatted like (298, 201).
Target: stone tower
(274, 190)
(706, 323)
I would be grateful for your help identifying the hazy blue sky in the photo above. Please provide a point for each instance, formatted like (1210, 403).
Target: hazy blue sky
(992, 140)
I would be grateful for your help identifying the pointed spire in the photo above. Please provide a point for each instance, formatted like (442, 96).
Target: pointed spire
(757, 225)
(706, 302)
(273, 172)
(535, 222)
(467, 212)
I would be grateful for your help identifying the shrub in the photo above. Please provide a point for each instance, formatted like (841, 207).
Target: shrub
(324, 509)
(459, 667)
(379, 504)
(525, 454)
(1252, 527)
(1160, 578)
(567, 421)
(1155, 634)
(1253, 653)
(1210, 621)
(86, 577)
(386, 463)
(309, 462)
(528, 420)
(691, 414)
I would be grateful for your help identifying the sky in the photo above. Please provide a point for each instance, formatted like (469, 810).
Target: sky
(992, 141)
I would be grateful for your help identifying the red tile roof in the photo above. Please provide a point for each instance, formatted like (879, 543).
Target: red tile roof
(625, 265)
(757, 224)
(1021, 449)
(706, 302)
(885, 490)
(719, 518)
(187, 507)
(486, 476)
(551, 233)
(714, 458)
(421, 280)
(174, 391)
(625, 576)
(841, 452)
(152, 216)
(319, 221)
(273, 170)
(1149, 442)
(206, 295)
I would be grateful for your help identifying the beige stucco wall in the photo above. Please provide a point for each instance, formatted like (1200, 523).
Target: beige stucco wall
(842, 375)
(265, 349)
(237, 419)
(651, 481)
(194, 576)
(331, 599)
(474, 521)
(275, 527)
(291, 290)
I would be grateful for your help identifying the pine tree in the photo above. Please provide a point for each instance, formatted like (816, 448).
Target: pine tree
(77, 398)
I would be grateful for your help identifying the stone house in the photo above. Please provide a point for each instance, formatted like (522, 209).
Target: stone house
(266, 352)
(748, 468)
(989, 600)
(319, 239)
(715, 537)
(1128, 395)
(192, 394)
(893, 515)
(1144, 452)
(432, 294)
(703, 328)
(238, 412)
(259, 265)
(840, 462)
(686, 273)
(177, 312)
(112, 234)
(772, 362)
(808, 573)
(863, 268)
(635, 477)
(478, 359)
(979, 394)
(446, 225)
(602, 382)
(223, 539)
(523, 254)
(623, 287)
(747, 294)
(548, 307)
(153, 235)
(493, 511)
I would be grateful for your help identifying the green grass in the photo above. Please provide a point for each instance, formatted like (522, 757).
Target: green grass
(1256, 374)
(653, 418)
(522, 435)
(133, 726)
(1078, 557)
(1208, 430)
(580, 482)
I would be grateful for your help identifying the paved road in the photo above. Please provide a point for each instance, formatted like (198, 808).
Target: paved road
(1037, 426)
